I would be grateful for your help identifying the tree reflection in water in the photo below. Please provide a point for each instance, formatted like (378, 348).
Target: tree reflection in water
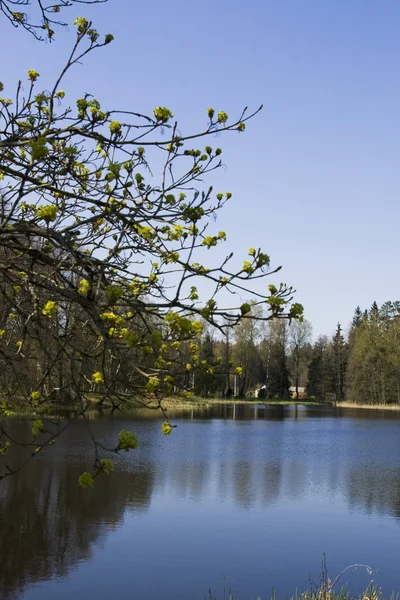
(268, 458)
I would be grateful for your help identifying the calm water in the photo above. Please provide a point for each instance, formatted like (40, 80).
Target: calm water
(257, 496)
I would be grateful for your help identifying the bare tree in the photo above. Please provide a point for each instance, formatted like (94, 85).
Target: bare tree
(40, 18)
(100, 278)
(300, 334)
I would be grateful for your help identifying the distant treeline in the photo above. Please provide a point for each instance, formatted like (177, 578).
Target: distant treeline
(362, 366)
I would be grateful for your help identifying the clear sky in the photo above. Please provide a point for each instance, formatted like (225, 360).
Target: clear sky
(316, 176)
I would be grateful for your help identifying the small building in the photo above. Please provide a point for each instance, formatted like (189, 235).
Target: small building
(292, 391)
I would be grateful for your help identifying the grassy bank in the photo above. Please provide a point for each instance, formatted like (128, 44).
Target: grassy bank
(182, 403)
(327, 588)
(370, 406)
(23, 411)
(372, 593)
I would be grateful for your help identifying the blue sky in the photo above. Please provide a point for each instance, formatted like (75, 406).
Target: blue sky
(316, 177)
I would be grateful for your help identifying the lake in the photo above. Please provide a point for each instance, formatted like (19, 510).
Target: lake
(252, 494)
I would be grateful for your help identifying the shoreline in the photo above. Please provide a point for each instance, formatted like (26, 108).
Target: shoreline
(395, 407)
(204, 402)
(60, 411)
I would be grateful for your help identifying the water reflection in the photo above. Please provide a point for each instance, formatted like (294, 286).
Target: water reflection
(48, 523)
(382, 497)
(272, 457)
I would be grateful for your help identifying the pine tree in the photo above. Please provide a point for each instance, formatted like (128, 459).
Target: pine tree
(357, 318)
(374, 310)
(317, 371)
(340, 362)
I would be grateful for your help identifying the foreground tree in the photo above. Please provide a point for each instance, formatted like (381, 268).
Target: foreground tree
(40, 17)
(99, 277)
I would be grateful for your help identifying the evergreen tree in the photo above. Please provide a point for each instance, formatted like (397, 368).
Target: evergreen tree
(357, 318)
(374, 311)
(374, 357)
(317, 372)
(340, 362)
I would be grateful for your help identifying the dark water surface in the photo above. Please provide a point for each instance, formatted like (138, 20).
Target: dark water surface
(250, 493)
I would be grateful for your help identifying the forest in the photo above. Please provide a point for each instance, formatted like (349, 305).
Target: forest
(359, 363)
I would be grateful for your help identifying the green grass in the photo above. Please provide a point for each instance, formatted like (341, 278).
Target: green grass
(326, 589)
(368, 406)
(181, 402)
(371, 593)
